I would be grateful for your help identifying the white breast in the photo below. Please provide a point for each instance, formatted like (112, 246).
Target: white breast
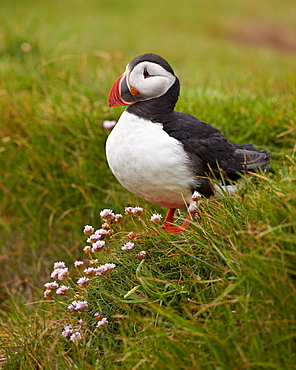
(149, 163)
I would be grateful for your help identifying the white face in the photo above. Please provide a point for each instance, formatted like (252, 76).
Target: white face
(150, 79)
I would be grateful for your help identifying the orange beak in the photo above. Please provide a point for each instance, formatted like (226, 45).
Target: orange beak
(120, 94)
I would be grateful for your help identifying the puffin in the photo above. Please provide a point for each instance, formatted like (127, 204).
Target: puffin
(165, 157)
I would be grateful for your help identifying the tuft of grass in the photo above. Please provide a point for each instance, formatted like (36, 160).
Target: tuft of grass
(221, 295)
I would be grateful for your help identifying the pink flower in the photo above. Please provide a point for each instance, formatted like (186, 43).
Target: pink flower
(107, 215)
(76, 337)
(156, 218)
(108, 125)
(67, 331)
(137, 211)
(60, 273)
(102, 232)
(90, 271)
(196, 196)
(103, 269)
(87, 249)
(83, 282)
(118, 217)
(128, 246)
(97, 246)
(59, 265)
(63, 274)
(47, 293)
(88, 230)
(110, 266)
(79, 264)
(78, 306)
(94, 238)
(63, 290)
(128, 210)
(55, 274)
(102, 323)
(52, 286)
(98, 316)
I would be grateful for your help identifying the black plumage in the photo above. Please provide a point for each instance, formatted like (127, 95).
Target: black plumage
(210, 152)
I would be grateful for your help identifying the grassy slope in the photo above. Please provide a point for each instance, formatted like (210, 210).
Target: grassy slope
(54, 177)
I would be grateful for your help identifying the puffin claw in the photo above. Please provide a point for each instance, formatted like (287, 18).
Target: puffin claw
(173, 229)
(170, 229)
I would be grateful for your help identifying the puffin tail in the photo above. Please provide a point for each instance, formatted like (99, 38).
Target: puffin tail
(252, 160)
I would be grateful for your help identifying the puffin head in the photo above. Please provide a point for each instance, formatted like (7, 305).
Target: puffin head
(146, 77)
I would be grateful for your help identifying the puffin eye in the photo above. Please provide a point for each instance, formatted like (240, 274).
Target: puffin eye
(146, 73)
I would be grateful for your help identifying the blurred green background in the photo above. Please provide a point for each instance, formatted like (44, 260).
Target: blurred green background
(203, 39)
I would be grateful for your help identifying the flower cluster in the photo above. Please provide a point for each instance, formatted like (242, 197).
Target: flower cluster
(75, 289)
(102, 321)
(99, 234)
(100, 270)
(135, 211)
(54, 287)
(63, 274)
(87, 270)
(110, 218)
(78, 306)
(73, 333)
(70, 333)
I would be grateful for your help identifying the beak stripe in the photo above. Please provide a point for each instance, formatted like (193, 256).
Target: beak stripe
(120, 94)
(134, 91)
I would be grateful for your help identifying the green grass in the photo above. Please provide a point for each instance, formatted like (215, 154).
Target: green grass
(220, 296)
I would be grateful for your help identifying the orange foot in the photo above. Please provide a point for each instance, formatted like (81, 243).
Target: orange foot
(170, 229)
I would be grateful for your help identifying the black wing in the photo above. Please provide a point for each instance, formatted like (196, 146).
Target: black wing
(210, 152)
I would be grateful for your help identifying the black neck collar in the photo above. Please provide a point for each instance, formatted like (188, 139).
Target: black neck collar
(157, 109)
